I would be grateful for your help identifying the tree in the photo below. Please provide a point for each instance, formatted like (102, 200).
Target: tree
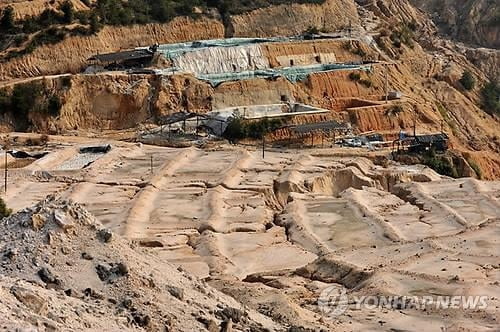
(94, 23)
(491, 97)
(467, 80)
(54, 105)
(68, 11)
(7, 19)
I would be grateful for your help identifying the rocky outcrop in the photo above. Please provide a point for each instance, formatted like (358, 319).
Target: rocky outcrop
(471, 21)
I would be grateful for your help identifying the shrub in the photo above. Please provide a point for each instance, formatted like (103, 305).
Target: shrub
(440, 164)
(4, 210)
(312, 30)
(490, 94)
(54, 105)
(4, 101)
(395, 110)
(467, 80)
(354, 76)
(66, 81)
(366, 83)
(68, 11)
(403, 35)
(19, 39)
(94, 24)
(7, 19)
(240, 128)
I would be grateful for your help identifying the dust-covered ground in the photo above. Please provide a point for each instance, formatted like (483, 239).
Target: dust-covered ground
(272, 232)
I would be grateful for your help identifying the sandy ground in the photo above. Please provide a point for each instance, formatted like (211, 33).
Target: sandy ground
(272, 231)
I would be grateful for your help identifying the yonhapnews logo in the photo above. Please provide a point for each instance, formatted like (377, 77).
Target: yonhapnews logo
(333, 301)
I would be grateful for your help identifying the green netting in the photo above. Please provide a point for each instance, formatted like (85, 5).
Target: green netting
(293, 74)
(171, 51)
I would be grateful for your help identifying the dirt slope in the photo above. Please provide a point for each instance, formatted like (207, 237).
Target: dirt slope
(295, 19)
(71, 54)
(471, 21)
(67, 272)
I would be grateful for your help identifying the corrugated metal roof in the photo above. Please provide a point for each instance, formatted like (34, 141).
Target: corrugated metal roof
(431, 138)
(179, 116)
(122, 56)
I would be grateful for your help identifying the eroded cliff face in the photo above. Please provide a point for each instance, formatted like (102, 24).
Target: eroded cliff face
(71, 54)
(471, 21)
(291, 19)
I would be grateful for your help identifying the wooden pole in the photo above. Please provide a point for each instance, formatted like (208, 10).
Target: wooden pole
(263, 144)
(151, 164)
(386, 84)
(5, 175)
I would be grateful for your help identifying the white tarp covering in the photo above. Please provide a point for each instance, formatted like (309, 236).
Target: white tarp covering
(223, 60)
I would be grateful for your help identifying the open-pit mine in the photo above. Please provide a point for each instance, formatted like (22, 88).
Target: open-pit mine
(298, 166)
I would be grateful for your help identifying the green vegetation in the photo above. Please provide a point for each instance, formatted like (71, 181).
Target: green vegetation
(7, 19)
(354, 76)
(395, 110)
(68, 11)
(27, 98)
(467, 80)
(440, 164)
(240, 128)
(366, 82)
(50, 26)
(449, 121)
(475, 167)
(354, 49)
(494, 21)
(490, 94)
(404, 34)
(4, 210)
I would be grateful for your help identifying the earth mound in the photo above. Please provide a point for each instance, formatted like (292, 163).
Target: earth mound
(61, 270)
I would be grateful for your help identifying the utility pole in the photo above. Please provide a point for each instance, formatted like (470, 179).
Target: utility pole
(5, 175)
(386, 84)
(415, 123)
(263, 144)
(151, 164)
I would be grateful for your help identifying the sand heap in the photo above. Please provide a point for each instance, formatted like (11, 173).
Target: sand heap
(61, 270)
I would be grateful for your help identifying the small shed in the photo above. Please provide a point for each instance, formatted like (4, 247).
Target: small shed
(124, 59)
